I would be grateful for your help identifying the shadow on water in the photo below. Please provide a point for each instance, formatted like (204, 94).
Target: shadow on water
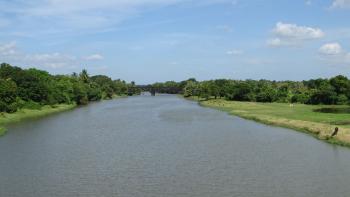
(334, 110)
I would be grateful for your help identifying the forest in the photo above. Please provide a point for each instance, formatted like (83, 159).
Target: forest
(335, 90)
(33, 88)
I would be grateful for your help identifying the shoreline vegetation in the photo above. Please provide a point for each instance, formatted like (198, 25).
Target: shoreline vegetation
(298, 117)
(31, 92)
(23, 114)
(314, 106)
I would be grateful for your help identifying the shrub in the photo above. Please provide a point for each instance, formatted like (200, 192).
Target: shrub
(9, 108)
(32, 105)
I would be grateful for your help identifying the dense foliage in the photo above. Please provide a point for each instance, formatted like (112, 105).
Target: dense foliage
(32, 88)
(316, 91)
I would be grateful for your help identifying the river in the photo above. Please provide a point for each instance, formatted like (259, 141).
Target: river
(165, 146)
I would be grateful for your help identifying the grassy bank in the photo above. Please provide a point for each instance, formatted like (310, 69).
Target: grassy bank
(22, 114)
(2, 131)
(298, 116)
(6, 118)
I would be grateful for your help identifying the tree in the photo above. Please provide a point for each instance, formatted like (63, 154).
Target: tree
(8, 94)
(191, 89)
(120, 87)
(267, 93)
(84, 76)
(80, 95)
(341, 85)
(324, 94)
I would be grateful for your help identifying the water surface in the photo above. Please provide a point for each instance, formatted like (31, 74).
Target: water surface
(165, 146)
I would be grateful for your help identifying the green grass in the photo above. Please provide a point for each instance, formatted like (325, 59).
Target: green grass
(22, 114)
(298, 116)
(115, 96)
(2, 131)
(6, 118)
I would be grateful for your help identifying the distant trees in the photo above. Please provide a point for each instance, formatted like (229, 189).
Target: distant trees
(335, 90)
(31, 88)
(191, 89)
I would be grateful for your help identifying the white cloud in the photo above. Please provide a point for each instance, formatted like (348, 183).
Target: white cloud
(334, 54)
(235, 52)
(293, 31)
(331, 49)
(52, 60)
(287, 34)
(10, 53)
(68, 16)
(275, 42)
(94, 57)
(8, 49)
(308, 2)
(340, 4)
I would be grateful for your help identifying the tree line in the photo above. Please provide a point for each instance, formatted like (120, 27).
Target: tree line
(335, 90)
(33, 88)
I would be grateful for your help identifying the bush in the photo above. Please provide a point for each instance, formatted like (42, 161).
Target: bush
(3, 106)
(32, 105)
(12, 108)
(20, 103)
(2, 131)
(9, 108)
(342, 100)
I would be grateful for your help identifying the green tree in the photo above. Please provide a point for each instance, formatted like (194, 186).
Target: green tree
(84, 76)
(8, 94)
(191, 89)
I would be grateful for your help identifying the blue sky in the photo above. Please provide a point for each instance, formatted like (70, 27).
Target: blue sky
(159, 40)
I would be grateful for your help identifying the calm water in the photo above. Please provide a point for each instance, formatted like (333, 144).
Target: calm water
(165, 146)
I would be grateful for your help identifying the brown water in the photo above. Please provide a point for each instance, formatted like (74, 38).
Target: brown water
(165, 146)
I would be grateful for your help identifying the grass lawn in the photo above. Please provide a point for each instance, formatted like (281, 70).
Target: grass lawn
(298, 116)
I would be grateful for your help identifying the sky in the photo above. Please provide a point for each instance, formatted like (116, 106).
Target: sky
(160, 40)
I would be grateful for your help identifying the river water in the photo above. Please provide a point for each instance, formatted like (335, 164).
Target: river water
(165, 146)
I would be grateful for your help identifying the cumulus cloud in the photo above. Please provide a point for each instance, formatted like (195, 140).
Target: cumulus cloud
(340, 4)
(331, 49)
(294, 31)
(94, 57)
(287, 34)
(334, 54)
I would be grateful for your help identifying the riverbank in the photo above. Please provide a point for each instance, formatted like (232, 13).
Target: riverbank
(22, 114)
(297, 116)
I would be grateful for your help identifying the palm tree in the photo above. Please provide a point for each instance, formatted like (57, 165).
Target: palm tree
(84, 76)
